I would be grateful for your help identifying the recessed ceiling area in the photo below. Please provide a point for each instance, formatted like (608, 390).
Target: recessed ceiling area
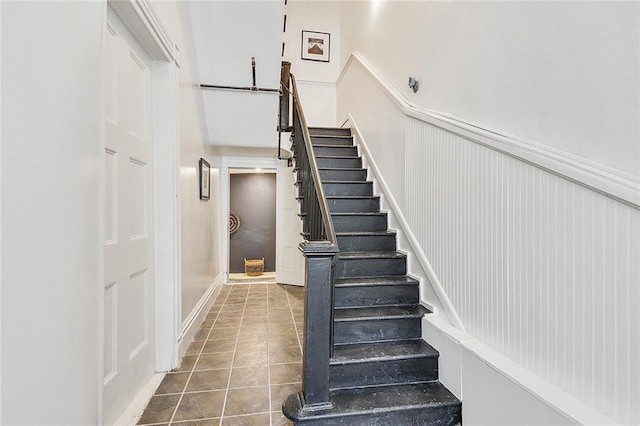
(228, 34)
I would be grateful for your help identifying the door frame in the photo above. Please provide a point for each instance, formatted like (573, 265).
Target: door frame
(140, 18)
(227, 163)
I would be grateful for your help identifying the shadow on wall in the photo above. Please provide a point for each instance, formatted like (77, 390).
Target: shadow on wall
(253, 199)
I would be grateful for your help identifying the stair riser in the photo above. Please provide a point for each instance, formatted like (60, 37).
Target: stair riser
(353, 205)
(328, 140)
(315, 131)
(373, 267)
(353, 243)
(356, 188)
(376, 295)
(339, 150)
(433, 416)
(338, 163)
(349, 376)
(349, 175)
(376, 330)
(359, 223)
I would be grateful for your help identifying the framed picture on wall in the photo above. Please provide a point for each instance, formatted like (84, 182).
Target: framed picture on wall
(205, 180)
(315, 46)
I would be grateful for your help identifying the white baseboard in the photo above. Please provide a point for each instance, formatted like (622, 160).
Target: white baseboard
(192, 323)
(135, 409)
(497, 390)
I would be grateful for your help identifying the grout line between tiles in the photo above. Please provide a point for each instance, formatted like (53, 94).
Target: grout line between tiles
(233, 358)
(231, 305)
(269, 355)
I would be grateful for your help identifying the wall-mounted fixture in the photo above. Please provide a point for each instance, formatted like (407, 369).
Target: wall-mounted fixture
(414, 84)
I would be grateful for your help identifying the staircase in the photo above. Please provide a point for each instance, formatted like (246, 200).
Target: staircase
(381, 372)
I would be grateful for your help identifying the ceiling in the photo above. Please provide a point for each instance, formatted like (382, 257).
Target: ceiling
(227, 35)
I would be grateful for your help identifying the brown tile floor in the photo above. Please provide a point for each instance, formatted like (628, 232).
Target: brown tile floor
(243, 363)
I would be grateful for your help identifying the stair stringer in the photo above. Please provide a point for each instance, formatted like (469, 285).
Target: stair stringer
(432, 293)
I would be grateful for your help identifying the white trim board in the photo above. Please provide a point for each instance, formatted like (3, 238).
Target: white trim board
(450, 341)
(606, 180)
(135, 410)
(141, 19)
(316, 83)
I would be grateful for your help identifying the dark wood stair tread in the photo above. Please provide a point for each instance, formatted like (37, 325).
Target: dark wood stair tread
(328, 145)
(372, 255)
(382, 351)
(350, 214)
(376, 400)
(371, 281)
(343, 168)
(364, 233)
(379, 313)
(354, 197)
(348, 182)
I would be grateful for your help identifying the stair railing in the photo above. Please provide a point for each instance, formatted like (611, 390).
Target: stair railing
(320, 250)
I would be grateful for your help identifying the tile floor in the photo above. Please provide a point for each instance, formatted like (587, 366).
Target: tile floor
(243, 363)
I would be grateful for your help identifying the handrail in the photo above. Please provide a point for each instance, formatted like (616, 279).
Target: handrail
(320, 250)
(315, 233)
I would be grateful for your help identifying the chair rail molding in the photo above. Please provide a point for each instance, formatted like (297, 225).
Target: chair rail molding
(606, 180)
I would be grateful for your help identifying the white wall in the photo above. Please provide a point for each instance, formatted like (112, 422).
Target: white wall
(52, 235)
(316, 80)
(539, 268)
(557, 74)
(227, 35)
(199, 219)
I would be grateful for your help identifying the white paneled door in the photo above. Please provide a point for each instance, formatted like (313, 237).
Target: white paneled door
(129, 354)
(289, 260)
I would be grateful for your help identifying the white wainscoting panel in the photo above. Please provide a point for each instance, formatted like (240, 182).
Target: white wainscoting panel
(319, 102)
(542, 269)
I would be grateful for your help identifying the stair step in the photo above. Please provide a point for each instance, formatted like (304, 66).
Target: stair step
(348, 188)
(338, 162)
(350, 174)
(408, 404)
(329, 131)
(373, 364)
(379, 313)
(353, 203)
(377, 324)
(382, 351)
(366, 241)
(361, 292)
(364, 221)
(381, 372)
(340, 150)
(370, 264)
(343, 140)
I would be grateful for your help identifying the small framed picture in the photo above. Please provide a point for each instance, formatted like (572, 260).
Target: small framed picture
(205, 180)
(315, 46)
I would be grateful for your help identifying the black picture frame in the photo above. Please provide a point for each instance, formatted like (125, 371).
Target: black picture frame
(316, 46)
(205, 179)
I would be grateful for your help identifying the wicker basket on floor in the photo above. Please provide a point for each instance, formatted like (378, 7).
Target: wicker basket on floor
(254, 267)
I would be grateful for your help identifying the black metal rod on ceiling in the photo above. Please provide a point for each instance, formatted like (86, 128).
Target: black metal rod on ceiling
(253, 88)
(243, 88)
(253, 72)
